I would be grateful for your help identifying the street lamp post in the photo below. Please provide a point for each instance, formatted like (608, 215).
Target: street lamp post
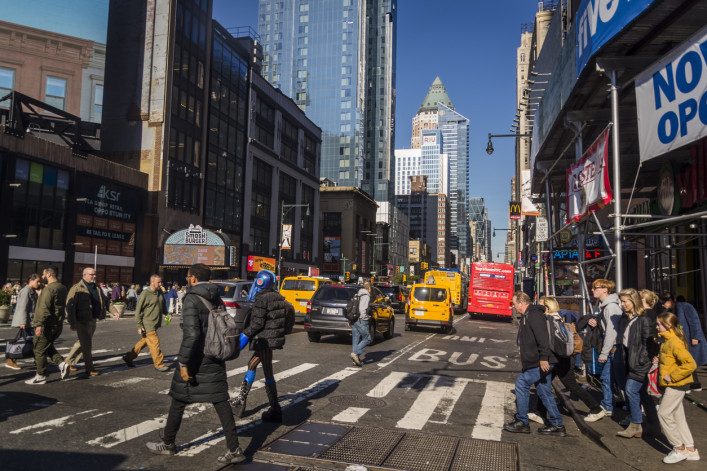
(283, 211)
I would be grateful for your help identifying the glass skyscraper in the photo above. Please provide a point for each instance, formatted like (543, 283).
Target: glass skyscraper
(336, 60)
(455, 144)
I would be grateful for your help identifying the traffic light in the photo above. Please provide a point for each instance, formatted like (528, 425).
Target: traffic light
(348, 276)
(397, 269)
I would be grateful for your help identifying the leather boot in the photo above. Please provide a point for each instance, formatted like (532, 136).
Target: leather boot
(274, 414)
(238, 403)
(633, 430)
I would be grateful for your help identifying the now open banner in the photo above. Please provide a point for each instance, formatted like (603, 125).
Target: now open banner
(588, 186)
(671, 98)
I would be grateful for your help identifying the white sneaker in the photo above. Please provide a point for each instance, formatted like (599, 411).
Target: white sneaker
(693, 455)
(594, 417)
(675, 456)
(64, 369)
(37, 380)
(536, 418)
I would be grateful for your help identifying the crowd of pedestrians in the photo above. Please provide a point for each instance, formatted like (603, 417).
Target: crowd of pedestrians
(620, 342)
(43, 305)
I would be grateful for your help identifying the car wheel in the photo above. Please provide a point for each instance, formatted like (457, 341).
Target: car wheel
(314, 336)
(391, 329)
(372, 331)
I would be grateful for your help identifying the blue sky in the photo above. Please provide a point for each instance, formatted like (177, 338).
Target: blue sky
(86, 19)
(471, 45)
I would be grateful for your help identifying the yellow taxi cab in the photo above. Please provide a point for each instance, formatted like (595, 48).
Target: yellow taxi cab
(298, 290)
(429, 305)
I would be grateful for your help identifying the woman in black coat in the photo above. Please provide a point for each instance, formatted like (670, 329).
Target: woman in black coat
(637, 341)
(266, 332)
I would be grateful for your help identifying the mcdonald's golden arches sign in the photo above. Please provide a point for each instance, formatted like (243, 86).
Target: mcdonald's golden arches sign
(514, 210)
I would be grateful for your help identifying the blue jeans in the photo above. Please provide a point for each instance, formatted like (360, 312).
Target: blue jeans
(361, 335)
(607, 403)
(637, 395)
(541, 380)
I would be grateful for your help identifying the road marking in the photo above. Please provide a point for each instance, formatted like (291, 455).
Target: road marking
(489, 422)
(404, 351)
(437, 389)
(51, 424)
(126, 382)
(229, 373)
(211, 438)
(282, 375)
(350, 415)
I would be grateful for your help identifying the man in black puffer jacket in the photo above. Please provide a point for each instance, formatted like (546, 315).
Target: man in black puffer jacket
(537, 361)
(267, 331)
(199, 378)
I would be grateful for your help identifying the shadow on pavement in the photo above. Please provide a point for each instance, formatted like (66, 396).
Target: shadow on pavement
(16, 403)
(23, 460)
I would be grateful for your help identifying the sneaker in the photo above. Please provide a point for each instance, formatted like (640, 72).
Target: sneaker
(536, 418)
(161, 448)
(128, 362)
(555, 430)
(516, 426)
(356, 359)
(37, 380)
(232, 457)
(162, 368)
(64, 369)
(73, 368)
(595, 416)
(92, 373)
(695, 387)
(10, 363)
(693, 455)
(675, 456)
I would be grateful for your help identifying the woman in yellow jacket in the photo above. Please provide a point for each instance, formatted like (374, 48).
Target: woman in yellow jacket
(676, 367)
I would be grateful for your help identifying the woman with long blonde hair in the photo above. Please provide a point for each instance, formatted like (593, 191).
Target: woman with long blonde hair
(638, 347)
(675, 372)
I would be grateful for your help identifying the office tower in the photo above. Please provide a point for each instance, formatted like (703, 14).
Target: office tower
(336, 60)
(433, 162)
(426, 117)
(455, 145)
(480, 230)
(407, 162)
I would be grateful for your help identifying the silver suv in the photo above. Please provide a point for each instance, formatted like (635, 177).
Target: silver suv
(234, 293)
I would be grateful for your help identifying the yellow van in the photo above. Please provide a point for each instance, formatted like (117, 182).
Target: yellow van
(298, 290)
(429, 305)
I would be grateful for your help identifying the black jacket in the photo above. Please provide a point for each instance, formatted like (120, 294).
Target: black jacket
(641, 348)
(210, 383)
(534, 339)
(267, 320)
(592, 338)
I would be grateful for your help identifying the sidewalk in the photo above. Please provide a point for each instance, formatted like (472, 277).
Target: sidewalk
(647, 452)
(109, 317)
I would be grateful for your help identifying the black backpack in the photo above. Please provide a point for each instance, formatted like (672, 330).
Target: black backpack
(222, 340)
(351, 312)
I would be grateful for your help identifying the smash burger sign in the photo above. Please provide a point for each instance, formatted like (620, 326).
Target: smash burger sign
(671, 98)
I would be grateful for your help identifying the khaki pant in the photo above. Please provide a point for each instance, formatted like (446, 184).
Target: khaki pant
(153, 343)
(671, 415)
(84, 345)
(44, 347)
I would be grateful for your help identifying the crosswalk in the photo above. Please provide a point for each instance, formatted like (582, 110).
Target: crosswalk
(420, 400)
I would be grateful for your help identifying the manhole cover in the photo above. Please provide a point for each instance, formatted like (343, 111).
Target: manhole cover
(355, 400)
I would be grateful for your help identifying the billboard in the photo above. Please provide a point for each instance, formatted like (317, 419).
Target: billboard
(256, 263)
(598, 21)
(195, 245)
(588, 186)
(671, 99)
(514, 210)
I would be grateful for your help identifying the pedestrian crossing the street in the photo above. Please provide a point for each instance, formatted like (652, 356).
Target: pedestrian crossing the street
(416, 401)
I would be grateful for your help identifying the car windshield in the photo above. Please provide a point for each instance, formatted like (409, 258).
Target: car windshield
(334, 293)
(238, 291)
(388, 290)
(430, 294)
(299, 285)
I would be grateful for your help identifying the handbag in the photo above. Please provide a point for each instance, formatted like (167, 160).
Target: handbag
(653, 388)
(20, 347)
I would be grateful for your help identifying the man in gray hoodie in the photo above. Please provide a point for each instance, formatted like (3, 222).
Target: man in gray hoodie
(610, 312)
(360, 329)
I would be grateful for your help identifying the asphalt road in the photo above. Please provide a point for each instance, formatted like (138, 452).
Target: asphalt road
(459, 384)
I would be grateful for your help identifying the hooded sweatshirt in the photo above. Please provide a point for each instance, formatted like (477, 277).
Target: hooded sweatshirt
(611, 313)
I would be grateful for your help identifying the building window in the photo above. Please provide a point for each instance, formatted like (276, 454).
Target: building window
(7, 83)
(55, 92)
(98, 102)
